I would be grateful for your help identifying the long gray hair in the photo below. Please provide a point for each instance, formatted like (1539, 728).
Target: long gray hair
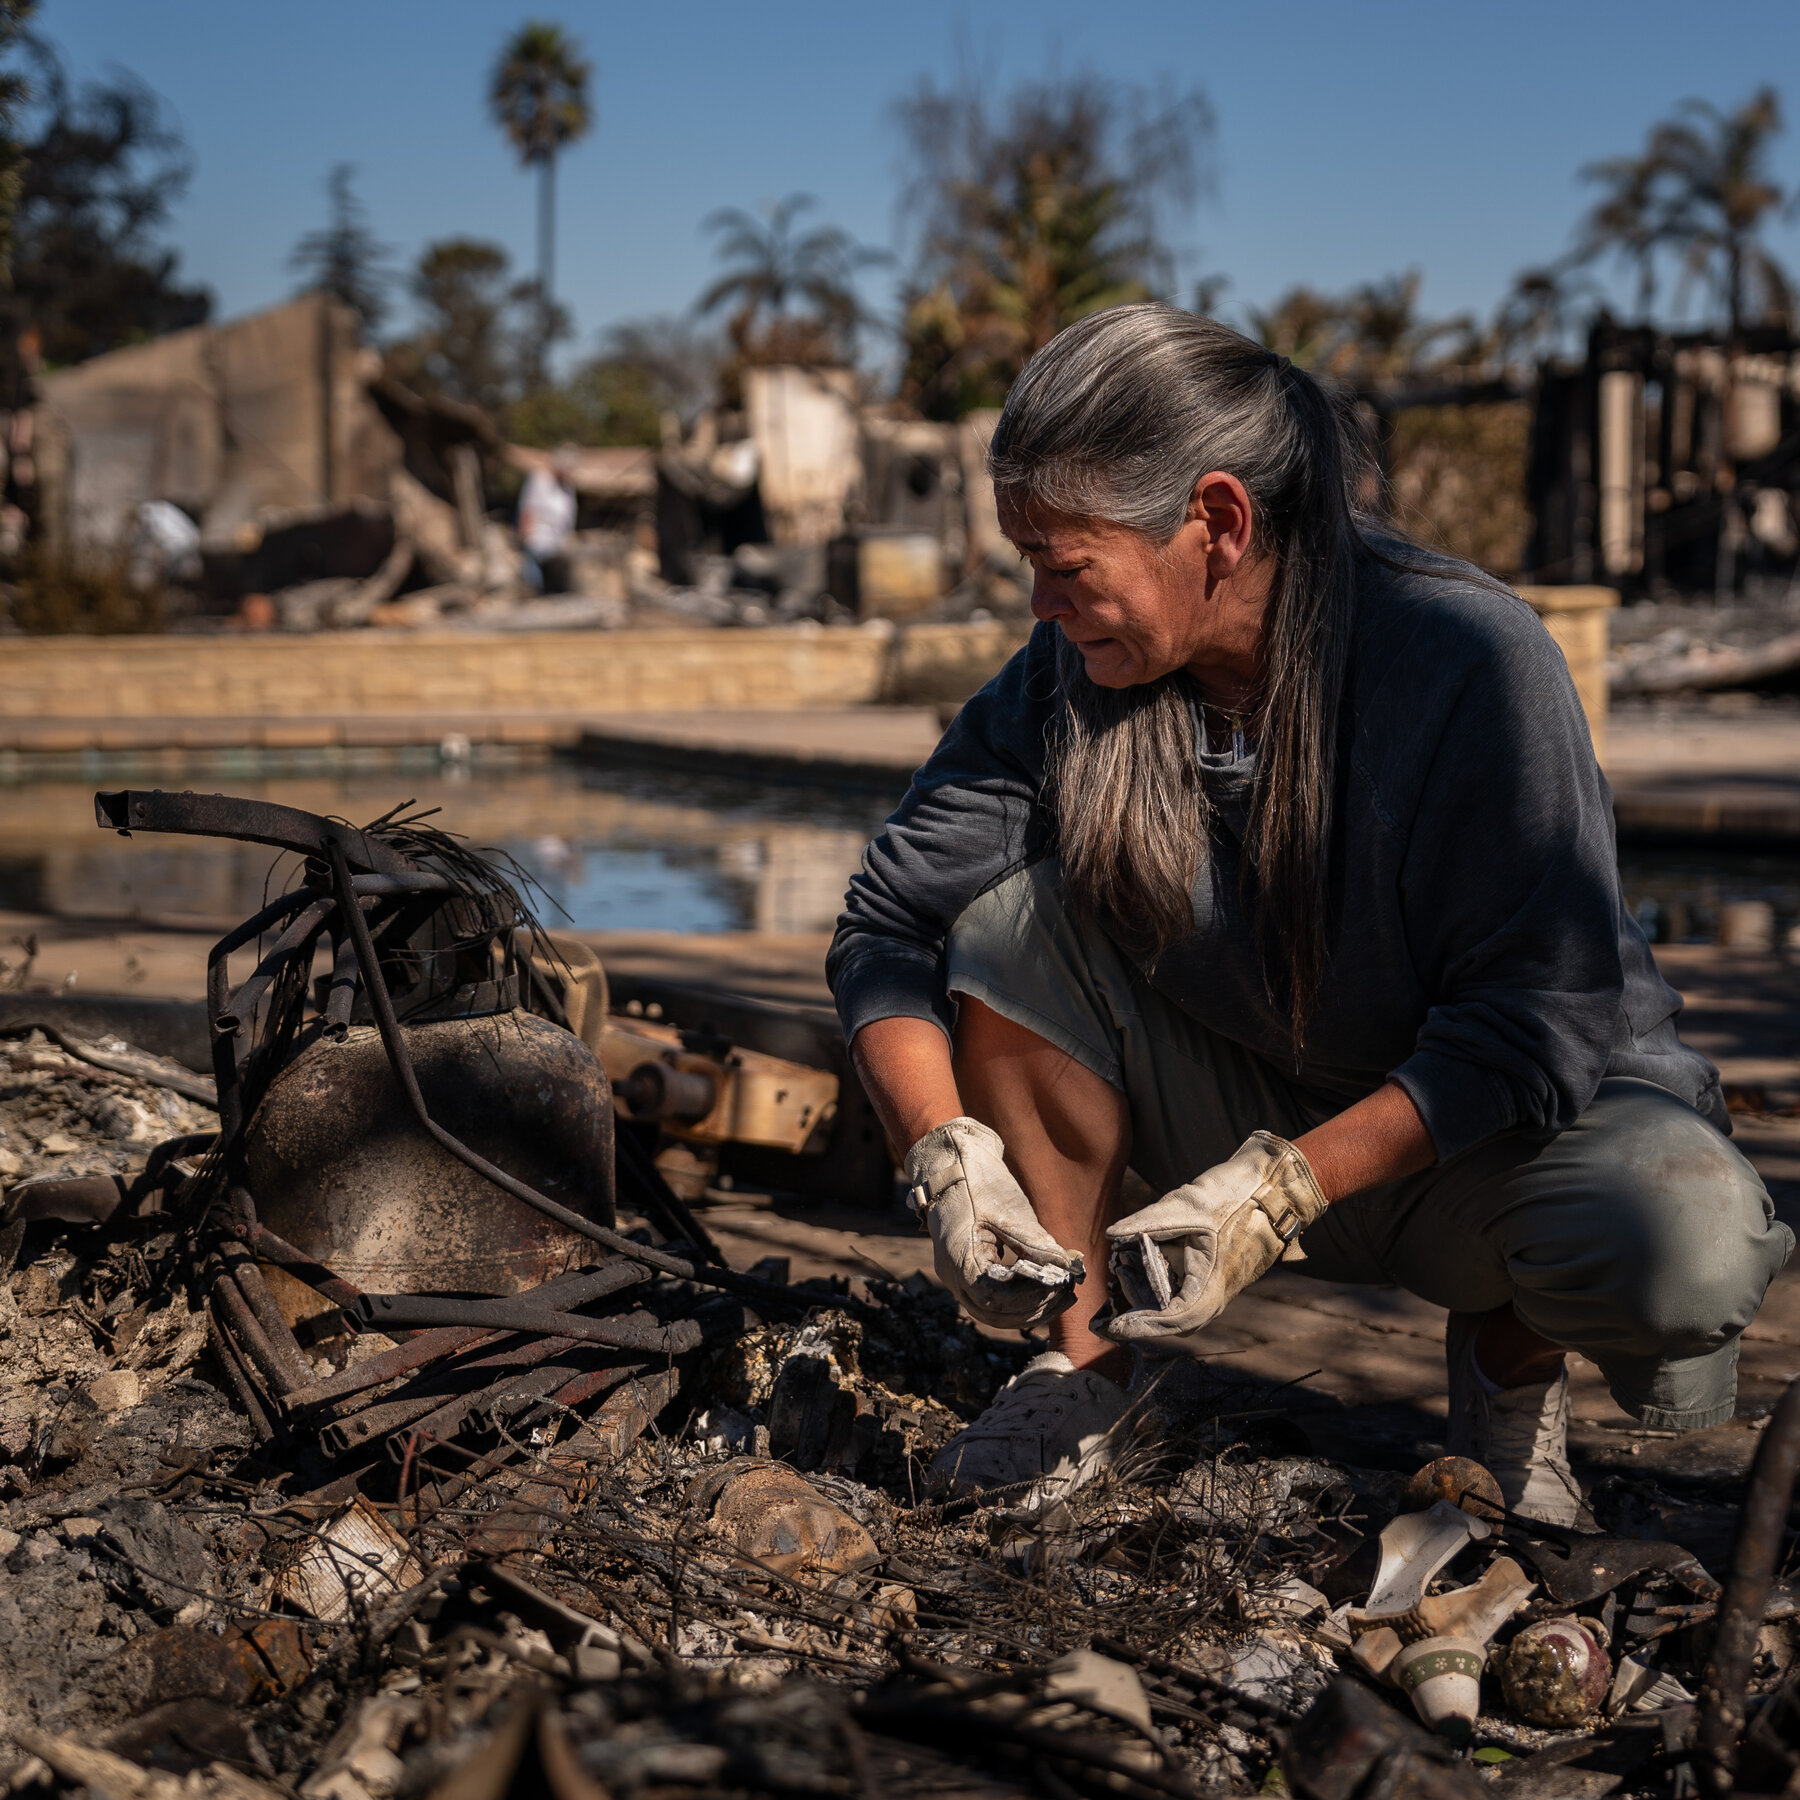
(1116, 419)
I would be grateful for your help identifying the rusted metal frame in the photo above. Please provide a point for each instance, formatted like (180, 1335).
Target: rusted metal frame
(296, 940)
(1762, 1524)
(578, 1289)
(251, 821)
(745, 1286)
(248, 1334)
(637, 1331)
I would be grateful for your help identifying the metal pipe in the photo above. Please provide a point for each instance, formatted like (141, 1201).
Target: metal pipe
(450, 1417)
(240, 1267)
(340, 997)
(747, 1287)
(667, 1210)
(344, 1435)
(583, 1388)
(1762, 1523)
(432, 1346)
(247, 1333)
(221, 1348)
(303, 1268)
(404, 1359)
(654, 1090)
(635, 1331)
(297, 938)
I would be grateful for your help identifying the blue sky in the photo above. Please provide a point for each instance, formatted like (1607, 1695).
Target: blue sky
(1353, 141)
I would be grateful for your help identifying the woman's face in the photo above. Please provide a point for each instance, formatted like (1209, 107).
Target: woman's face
(1136, 610)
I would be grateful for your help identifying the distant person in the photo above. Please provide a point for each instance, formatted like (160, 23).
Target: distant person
(546, 522)
(1277, 867)
(162, 545)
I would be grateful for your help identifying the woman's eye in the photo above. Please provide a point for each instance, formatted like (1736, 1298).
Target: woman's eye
(1064, 574)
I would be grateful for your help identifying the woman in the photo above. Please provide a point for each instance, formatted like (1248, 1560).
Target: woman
(1278, 868)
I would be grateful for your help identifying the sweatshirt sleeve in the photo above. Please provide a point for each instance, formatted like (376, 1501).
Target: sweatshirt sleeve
(1510, 895)
(969, 818)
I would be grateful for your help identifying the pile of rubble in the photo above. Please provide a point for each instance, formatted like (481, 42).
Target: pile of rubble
(1664, 647)
(582, 1510)
(705, 1555)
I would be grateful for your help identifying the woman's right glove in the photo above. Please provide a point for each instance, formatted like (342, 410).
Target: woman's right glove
(977, 1214)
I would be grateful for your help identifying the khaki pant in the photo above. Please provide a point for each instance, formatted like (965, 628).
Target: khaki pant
(1639, 1237)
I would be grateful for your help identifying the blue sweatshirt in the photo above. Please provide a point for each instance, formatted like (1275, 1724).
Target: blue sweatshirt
(1481, 954)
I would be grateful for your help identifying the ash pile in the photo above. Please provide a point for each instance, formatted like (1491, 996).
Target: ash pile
(377, 1422)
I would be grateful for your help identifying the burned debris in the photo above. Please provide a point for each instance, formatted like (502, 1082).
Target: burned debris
(378, 1421)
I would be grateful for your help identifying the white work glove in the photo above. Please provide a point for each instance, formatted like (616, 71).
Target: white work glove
(1180, 1262)
(977, 1214)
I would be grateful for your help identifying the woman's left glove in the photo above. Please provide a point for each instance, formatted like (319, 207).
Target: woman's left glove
(1180, 1262)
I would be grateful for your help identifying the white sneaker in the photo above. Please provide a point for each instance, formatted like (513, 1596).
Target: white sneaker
(1047, 1430)
(1519, 1435)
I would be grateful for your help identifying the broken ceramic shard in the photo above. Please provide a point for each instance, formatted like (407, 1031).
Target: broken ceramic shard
(1101, 1685)
(1442, 1676)
(1476, 1611)
(1637, 1688)
(1414, 1547)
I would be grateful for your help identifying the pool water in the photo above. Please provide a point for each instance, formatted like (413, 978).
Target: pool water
(632, 850)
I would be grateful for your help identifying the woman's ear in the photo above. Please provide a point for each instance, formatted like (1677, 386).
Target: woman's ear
(1221, 503)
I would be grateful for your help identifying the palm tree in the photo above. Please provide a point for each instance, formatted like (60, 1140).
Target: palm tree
(1702, 189)
(538, 94)
(770, 272)
(1032, 213)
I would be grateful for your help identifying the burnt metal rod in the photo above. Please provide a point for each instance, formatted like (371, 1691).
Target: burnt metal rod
(661, 1201)
(583, 1388)
(241, 1268)
(636, 1331)
(248, 1398)
(296, 939)
(171, 1150)
(493, 1358)
(428, 1347)
(1762, 1523)
(745, 1286)
(422, 1351)
(218, 999)
(344, 1435)
(303, 1268)
(453, 1414)
(340, 998)
(251, 1338)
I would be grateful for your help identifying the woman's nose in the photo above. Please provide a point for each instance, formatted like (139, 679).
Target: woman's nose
(1047, 602)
